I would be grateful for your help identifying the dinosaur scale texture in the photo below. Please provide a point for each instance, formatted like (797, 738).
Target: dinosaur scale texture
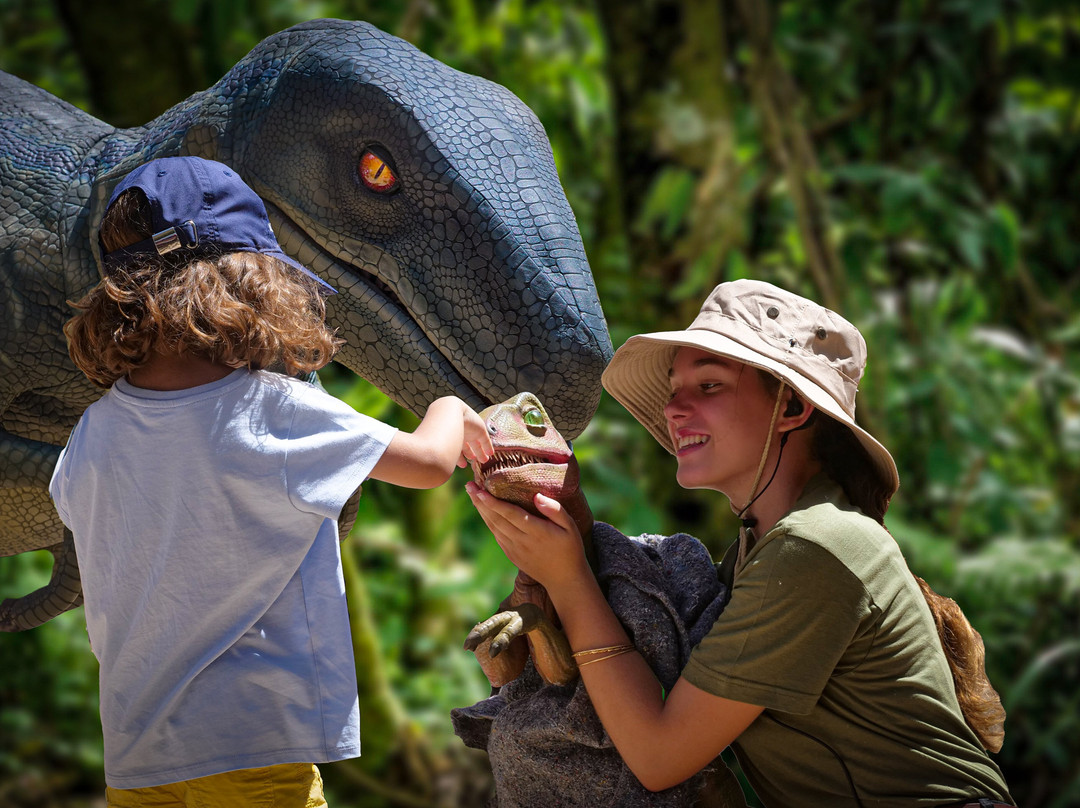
(427, 197)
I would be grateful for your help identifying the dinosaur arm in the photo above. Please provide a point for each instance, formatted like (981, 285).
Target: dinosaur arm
(493, 637)
(63, 592)
(25, 468)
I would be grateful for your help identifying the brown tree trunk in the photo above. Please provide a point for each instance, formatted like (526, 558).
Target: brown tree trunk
(667, 63)
(114, 40)
(776, 99)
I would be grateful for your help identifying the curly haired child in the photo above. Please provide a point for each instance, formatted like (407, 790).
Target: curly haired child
(203, 492)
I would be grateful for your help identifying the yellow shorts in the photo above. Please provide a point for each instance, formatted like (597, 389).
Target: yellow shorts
(289, 785)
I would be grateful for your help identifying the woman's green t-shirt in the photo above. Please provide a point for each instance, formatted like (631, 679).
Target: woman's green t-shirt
(828, 630)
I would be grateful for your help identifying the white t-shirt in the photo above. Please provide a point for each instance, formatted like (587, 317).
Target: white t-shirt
(205, 526)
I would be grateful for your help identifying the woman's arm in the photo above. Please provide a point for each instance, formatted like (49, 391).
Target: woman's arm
(663, 741)
(449, 435)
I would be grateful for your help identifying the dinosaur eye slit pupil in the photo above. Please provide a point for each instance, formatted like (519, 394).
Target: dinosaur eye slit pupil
(376, 172)
(533, 417)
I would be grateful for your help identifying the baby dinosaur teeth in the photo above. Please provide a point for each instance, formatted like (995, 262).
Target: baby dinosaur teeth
(505, 460)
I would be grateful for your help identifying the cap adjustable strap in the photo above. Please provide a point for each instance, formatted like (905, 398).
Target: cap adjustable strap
(167, 240)
(184, 236)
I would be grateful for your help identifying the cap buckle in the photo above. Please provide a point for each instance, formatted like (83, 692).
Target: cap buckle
(165, 241)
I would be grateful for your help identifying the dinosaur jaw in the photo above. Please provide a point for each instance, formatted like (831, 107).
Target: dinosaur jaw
(517, 476)
(363, 276)
(391, 338)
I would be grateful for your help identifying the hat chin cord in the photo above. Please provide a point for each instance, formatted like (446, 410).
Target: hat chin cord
(751, 521)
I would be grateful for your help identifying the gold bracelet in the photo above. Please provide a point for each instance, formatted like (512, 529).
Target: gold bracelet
(620, 652)
(591, 651)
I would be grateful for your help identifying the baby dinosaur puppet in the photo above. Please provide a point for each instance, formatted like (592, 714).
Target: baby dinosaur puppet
(544, 741)
(531, 457)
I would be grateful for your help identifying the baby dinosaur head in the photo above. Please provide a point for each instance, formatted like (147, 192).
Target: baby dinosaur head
(531, 457)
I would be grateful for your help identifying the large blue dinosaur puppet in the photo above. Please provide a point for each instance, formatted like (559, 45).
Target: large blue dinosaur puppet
(427, 197)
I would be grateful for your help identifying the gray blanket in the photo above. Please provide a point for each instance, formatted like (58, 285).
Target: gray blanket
(545, 743)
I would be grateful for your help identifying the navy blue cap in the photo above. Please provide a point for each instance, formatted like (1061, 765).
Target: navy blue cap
(201, 208)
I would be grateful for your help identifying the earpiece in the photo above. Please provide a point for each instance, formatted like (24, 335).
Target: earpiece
(794, 407)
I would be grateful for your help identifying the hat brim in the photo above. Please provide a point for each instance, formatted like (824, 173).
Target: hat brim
(281, 256)
(637, 377)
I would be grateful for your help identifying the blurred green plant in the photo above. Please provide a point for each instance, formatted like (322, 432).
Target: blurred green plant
(50, 735)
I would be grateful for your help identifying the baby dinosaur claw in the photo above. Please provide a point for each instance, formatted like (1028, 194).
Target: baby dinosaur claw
(499, 630)
(504, 662)
(501, 649)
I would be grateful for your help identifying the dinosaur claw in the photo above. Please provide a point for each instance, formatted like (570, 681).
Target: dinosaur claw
(473, 640)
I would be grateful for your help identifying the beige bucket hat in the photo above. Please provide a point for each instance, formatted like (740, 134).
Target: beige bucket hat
(812, 349)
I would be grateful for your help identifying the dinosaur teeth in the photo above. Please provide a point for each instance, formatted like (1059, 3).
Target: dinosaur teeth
(506, 460)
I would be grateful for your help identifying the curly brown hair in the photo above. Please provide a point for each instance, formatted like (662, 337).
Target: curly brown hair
(242, 309)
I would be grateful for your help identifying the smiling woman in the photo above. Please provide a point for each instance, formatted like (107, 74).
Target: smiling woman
(825, 671)
(718, 417)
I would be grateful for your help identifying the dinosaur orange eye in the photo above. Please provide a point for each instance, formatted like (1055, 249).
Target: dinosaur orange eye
(376, 172)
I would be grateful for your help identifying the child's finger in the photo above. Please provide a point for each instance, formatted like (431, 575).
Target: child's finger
(477, 450)
(482, 449)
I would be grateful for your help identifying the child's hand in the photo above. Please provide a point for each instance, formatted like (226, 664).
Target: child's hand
(477, 444)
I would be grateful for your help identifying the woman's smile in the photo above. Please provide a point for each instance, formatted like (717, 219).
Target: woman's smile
(687, 443)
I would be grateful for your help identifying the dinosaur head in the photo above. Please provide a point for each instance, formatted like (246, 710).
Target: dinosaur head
(531, 457)
(429, 199)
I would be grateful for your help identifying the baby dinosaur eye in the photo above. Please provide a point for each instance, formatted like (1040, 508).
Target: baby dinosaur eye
(533, 417)
(375, 171)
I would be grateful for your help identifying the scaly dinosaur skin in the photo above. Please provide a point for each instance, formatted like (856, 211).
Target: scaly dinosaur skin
(531, 457)
(469, 279)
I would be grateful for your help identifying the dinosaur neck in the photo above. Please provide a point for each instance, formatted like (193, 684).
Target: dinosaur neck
(579, 510)
(527, 588)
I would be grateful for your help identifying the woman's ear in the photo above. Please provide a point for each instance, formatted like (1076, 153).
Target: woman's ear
(796, 414)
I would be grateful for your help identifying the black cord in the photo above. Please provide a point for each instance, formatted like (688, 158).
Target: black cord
(751, 521)
(835, 754)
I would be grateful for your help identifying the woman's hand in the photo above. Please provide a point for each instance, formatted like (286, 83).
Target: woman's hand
(547, 547)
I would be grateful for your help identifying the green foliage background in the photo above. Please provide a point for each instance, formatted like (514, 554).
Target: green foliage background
(912, 163)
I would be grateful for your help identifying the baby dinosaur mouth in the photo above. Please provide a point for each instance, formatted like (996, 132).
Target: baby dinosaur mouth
(506, 460)
(517, 476)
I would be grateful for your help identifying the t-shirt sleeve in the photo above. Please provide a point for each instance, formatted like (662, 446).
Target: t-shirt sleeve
(793, 611)
(332, 449)
(58, 486)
